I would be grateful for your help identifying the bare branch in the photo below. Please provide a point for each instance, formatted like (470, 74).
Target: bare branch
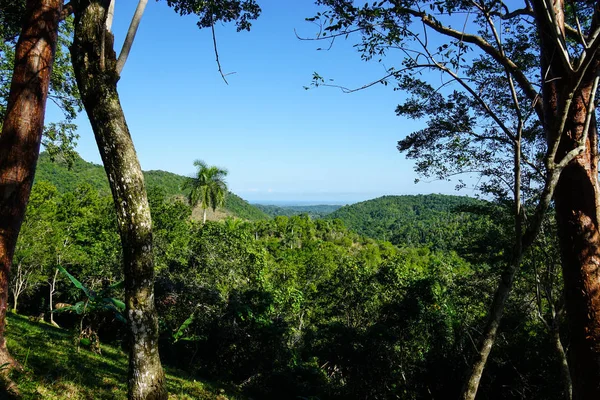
(214, 37)
(557, 35)
(135, 22)
(110, 15)
(485, 46)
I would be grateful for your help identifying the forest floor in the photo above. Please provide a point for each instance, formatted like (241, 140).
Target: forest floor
(55, 368)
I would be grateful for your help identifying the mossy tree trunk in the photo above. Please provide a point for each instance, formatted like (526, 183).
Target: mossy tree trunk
(22, 133)
(94, 61)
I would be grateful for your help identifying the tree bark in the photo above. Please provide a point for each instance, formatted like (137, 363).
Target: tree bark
(22, 133)
(576, 200)
(564, 363)
(52, 290)
(567, 97)
(488, 336)
(94, 61)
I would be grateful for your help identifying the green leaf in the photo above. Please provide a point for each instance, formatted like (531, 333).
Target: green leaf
(77, 284)
(177, 335)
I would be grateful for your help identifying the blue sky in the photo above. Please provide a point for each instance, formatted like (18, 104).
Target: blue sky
(279, 141)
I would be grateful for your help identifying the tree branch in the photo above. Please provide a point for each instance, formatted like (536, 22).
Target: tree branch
(110, 15)
(214, 37)
(484, 45)
(67, 10)
(135, 22)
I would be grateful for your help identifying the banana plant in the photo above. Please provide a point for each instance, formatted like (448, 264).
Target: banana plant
(95, 301)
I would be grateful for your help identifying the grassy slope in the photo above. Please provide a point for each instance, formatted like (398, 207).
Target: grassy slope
(56, 369)
(67, 180)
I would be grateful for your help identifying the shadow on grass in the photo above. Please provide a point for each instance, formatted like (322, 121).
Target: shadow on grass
(54, 366)
(56, 369)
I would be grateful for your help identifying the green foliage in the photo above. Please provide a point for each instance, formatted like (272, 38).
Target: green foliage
(95, 302)
(56, 369)
(209, 12)
(242, 209)
(314, 212)
(423, 220)
(293, 307)
(67, 179)
(207, 188)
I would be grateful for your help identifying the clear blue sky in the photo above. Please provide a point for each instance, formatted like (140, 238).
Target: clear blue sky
(279, 141)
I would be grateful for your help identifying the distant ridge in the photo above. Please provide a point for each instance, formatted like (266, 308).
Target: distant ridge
(314, 211)
(67, 180)
(433, 220)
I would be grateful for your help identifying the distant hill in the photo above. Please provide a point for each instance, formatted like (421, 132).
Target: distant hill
(435, 220)
(67, 180)
(317, 211)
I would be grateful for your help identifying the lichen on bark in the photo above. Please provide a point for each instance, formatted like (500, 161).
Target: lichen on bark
(94, 62)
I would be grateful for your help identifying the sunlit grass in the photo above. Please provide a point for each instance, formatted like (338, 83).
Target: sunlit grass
(54, 368)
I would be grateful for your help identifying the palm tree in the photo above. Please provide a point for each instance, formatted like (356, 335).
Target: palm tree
(207, 187)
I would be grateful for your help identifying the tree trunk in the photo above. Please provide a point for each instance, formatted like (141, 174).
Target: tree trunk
(576, 201)
(204, 216)
(488, 337)
(564, 363)
(22, 133)
(94, 62)
(51, 302)
(15, 300)
(567, 97)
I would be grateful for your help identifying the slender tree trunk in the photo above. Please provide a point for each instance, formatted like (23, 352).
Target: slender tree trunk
(204, 216)
(469, 390)
(488, 336)
(15, 300)
(51, 302)
(95, 70)
(22, 133)
(19, 283)
(564, 363)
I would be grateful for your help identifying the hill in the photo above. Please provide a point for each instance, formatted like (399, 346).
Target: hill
(435, 220)
(316, 211)
(67, 180)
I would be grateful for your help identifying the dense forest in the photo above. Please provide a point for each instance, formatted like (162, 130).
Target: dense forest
(295, 307)
(174, 287)
(313, 211)
(66, 177)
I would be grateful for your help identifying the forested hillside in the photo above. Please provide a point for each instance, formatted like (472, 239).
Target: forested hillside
(316, 211)
(288, 307)
(171, 287)
(435, 220)
(66, 180)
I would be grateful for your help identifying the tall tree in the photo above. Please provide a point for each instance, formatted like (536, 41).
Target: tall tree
(97, 71)
(95, 64)
(208, 188)
(59, 137)
(22, 132)
(482, 45)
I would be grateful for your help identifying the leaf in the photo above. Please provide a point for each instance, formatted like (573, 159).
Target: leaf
(77, 284)
(78, 308)
(118, 303)
(177, 335)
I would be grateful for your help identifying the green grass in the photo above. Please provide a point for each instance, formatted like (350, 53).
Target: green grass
(54, 368)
